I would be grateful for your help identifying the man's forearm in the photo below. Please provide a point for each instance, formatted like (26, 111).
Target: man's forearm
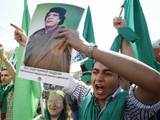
(130, 68)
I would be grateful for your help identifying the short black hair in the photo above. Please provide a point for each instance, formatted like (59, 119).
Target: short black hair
(61, 11)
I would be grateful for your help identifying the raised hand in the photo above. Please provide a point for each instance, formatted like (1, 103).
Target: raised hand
(71, 37)
(19, 36)
(118, 22)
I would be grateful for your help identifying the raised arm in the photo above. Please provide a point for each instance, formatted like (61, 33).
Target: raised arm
(19, 36)
(126, 49)
(130, 68)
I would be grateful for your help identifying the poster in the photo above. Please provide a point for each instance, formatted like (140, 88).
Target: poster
(42, 49)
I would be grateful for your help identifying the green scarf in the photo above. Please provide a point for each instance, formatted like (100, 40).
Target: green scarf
(1, 92)
(112, 111)
(3, 96)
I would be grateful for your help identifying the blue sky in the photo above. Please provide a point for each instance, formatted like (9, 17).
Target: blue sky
(102, 13)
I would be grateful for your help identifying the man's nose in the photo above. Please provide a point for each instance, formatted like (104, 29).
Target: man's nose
(99, 77)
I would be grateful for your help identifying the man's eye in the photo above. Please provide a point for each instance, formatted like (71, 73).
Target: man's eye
(94, 71)
(108, 73)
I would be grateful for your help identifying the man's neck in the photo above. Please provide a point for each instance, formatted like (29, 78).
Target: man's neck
(101, 103)
(51, 29)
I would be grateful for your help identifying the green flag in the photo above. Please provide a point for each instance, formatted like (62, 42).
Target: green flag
(139, 39)
(135, 19)
(26, 92)
(26, 17)
(88, 34)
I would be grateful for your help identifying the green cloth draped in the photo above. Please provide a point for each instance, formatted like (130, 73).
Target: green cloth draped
(3, 99)
(4, 90)
(1, 92)
(88, 34)
(88, 31)
(123, 33)
(86, 67)
(113, 110)
(135, 19)
(157, 64)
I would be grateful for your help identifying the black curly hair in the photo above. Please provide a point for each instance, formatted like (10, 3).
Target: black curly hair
(61, 11)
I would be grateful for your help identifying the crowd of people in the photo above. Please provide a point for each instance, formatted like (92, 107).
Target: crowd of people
(121, 87)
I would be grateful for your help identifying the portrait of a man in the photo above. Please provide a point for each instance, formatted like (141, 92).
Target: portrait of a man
(42, 49)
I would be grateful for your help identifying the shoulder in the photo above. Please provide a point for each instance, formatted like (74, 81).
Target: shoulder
(134, 101)
(86, 99)
(38, 32)
(136, 109)
(35, 36)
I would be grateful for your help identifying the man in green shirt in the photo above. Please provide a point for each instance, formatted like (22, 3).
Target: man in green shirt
(107, 101)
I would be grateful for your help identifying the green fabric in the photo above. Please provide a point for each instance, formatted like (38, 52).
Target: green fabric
(88, 109)
(27, 92)
(135, 19)
(3, 99)
(117, 44)
(4, 104)
(88, 34)
(157, 64)
(86, 67)
(123, 33)
(128, 34)
(1, 92)
(26, 17)
(4, 90)
(86, 77)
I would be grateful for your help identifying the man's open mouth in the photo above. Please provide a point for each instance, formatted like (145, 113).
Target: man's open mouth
(99, 88)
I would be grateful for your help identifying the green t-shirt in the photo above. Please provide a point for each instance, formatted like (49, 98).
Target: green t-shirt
(113, 109)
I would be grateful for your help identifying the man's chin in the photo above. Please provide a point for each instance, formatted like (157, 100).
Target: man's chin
(50, 25)
(100, 97)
